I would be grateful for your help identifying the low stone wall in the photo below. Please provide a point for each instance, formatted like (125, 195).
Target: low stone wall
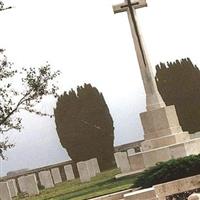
(177, 186)
(167, 191)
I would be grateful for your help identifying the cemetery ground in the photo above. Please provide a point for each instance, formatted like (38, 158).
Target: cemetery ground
(104, 183)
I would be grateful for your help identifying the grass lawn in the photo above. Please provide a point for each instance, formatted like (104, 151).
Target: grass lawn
(104, 183)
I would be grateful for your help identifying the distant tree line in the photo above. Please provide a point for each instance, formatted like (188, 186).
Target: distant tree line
(179, 84)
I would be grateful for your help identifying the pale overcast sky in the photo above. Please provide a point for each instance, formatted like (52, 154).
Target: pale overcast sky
(89, 44)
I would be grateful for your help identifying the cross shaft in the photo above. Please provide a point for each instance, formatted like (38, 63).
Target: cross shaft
(153, 98)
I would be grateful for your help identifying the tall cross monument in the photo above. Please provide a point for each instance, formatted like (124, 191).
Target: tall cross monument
(153, 98)
(163, 135)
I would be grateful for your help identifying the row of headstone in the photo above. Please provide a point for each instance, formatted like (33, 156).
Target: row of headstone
(50, 178)
(29, 184)
(88, 169)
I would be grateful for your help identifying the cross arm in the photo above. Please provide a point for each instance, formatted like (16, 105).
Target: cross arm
(123, 6)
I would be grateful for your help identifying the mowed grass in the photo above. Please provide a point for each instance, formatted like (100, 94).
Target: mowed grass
(104, 183)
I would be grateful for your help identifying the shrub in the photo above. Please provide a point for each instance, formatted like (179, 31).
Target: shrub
(168, 171)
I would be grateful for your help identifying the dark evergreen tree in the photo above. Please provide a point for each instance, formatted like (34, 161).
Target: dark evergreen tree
(85, 126)
(179, 84)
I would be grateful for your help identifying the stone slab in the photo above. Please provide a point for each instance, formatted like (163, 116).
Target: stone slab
(154, 156)
(69, 172)
(192, 146)
(165, 141)
(12, 187)
(46, 179)
(122, 161)
(55, 172)
(177, 151)
(195, 135)
(144, 194)
(177, 186)
(4, 191)
(113, 196)
(83, 171)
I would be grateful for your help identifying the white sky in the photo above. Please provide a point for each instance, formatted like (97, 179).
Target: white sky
(88, 43)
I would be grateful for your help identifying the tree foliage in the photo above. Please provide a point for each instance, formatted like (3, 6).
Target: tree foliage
(179, 85)
(85, 126)
(22, 90)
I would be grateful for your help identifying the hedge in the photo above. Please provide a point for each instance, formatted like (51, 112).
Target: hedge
(168, 171)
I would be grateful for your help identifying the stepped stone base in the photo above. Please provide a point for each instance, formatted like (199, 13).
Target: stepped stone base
(165, 141)
(149, 158)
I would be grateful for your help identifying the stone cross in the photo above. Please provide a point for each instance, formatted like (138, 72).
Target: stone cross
(153, 98)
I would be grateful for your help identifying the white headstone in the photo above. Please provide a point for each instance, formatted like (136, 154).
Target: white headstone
(46, 179)
(13, 187)
(117, 158)
(56, 175)
(130, 152)
(69, 172)
(83, 171)
(94, 165)
(4, 191)
(22, 184)
(90, 167)
(122, 162)
(28, 184)
(31, 185)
